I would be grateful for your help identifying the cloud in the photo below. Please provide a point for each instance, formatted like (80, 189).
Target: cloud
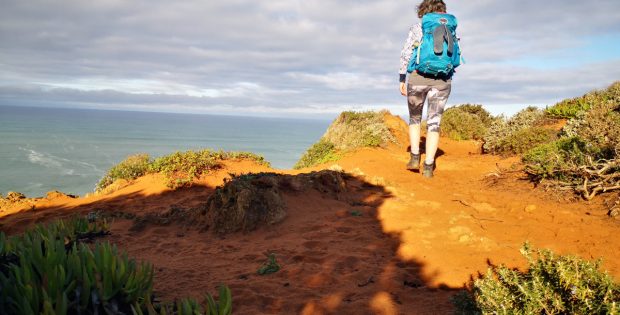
(292, 56)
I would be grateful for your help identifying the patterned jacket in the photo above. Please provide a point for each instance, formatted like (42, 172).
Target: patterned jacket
(413, 40)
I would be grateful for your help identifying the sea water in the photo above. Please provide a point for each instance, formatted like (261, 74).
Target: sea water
(43, 149)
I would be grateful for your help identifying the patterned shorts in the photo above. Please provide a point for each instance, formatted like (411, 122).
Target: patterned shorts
(437, 98)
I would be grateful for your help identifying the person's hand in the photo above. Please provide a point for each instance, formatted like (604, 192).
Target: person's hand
(403, 89)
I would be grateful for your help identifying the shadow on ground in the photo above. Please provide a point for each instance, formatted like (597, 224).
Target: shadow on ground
(334, 255)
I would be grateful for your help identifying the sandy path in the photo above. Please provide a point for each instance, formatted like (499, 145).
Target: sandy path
(415, 244)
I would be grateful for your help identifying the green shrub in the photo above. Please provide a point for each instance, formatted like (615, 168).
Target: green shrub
(599, 127)
(555, 160)
(179, 168)
(240, 155)
(131, 168)
(552, 285)
(573, 108)
(574, 164)
(524, 140)
(466, 122)
(568, 108)
(48, 270)
(55, 275)
(478, 111)
(359, 129)
(209, 306)
(513, 136)
(320, 152)
(349, 131)
(586, 157)
(270, 266)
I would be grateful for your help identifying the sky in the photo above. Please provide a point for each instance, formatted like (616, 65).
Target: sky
(292, 58)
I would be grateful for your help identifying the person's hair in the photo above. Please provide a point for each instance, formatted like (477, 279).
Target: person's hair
(429, 6)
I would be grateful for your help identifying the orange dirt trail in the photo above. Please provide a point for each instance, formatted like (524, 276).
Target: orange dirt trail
(395, 243)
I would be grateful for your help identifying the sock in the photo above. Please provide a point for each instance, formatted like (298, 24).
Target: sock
(432, 142)
(414, 138)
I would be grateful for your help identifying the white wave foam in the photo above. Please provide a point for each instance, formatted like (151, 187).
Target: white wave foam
(42, 159)
(65, 165)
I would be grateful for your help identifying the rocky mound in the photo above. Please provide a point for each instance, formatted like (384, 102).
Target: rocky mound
(249, 201)
(354, 130)
(14, 199)
(18, 201)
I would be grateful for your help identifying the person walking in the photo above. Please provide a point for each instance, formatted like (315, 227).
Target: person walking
(435, 33)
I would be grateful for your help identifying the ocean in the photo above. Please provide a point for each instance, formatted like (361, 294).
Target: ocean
(69, 150)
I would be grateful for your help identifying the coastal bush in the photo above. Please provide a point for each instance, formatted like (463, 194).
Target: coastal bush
(49, 270)
(131, 168)
(466, 122)
(240, 155)
(573, 108)
(599, 127)
(568, 109)
(320, 152)
(517, 134)
(586, 159)
(552, 285)
(524, 140)
(554, 160)
(350, 130)
(359, 129)
(181, 168)
(178, 168)
(573, 163)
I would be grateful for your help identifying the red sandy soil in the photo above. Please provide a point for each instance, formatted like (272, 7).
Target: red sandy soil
(416, 243)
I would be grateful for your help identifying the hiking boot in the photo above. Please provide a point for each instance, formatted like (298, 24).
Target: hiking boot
(428, 170)
(414, 162)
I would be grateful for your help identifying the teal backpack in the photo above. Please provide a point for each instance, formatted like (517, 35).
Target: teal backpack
(439, 53)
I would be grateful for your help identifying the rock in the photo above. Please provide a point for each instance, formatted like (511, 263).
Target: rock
(530, 208)
(378, 181)
(483, 207)
(465, 238)
(57, 194)
(357, 172)
(13, 196)
(336, 168)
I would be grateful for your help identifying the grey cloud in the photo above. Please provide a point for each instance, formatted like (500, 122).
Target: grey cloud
(315, 53)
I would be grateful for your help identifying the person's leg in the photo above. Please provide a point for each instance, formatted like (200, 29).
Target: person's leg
(416, 96)
(414, 138)
(437, 99)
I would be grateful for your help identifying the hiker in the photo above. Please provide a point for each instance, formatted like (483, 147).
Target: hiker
(429, 43)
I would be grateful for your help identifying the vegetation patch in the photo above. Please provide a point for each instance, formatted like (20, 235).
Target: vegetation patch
(585, 159)
(269, 266)
(179, 168)
(523, 140)
(568, 109)
(466, 122)
(552, 285)
(349, 131)
(131, 168)
(249, 201)
(49, 270)
(518, 134)
(573, 108)
(321, 152)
